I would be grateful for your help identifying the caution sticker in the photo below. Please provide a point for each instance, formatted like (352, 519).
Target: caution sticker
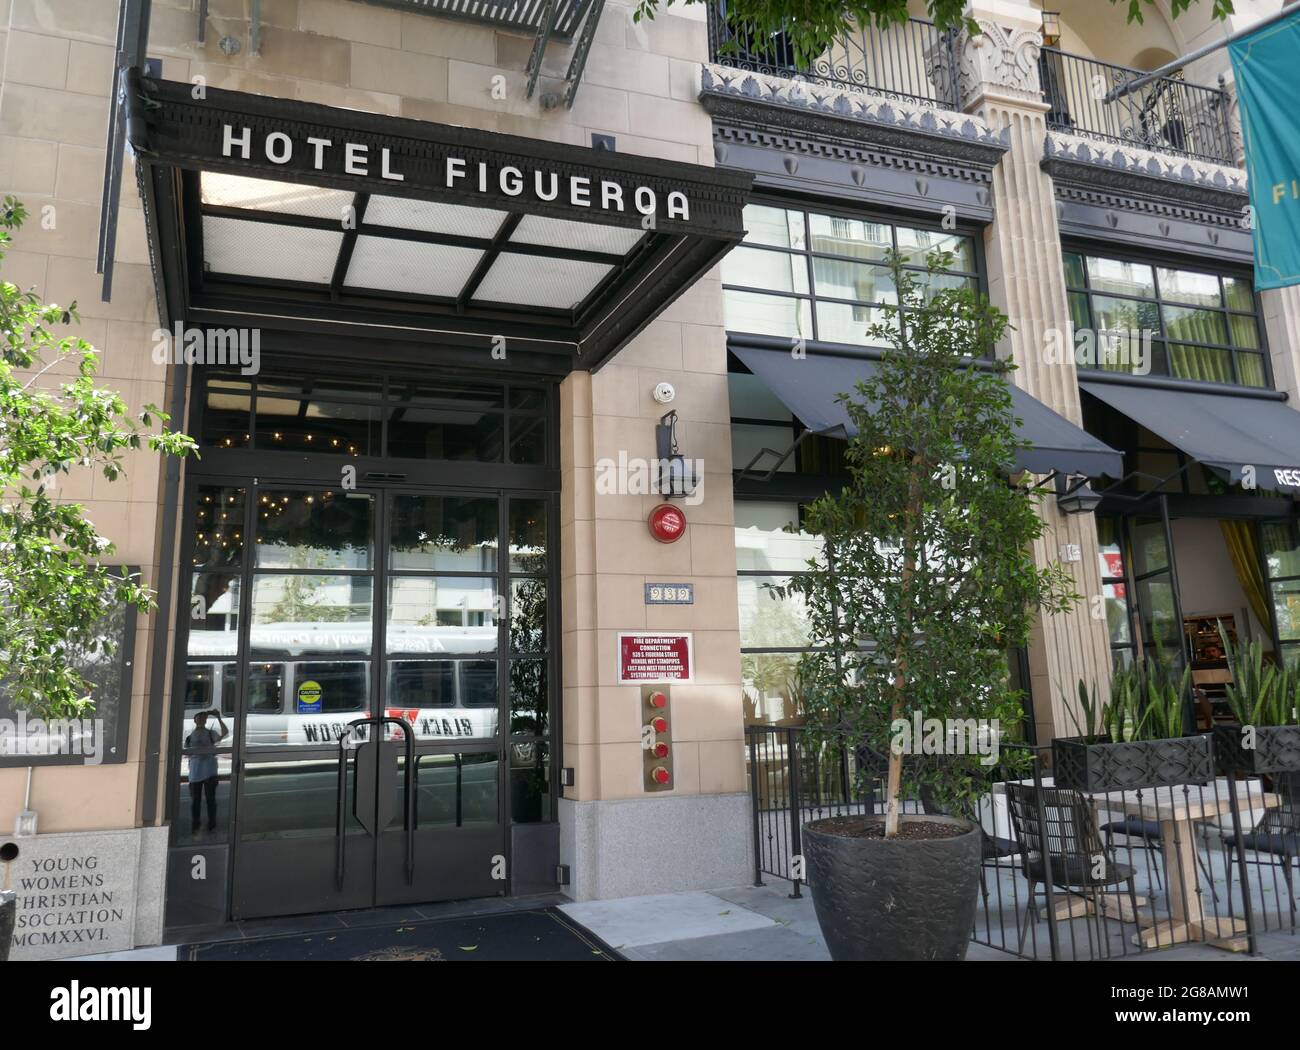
(309, 698)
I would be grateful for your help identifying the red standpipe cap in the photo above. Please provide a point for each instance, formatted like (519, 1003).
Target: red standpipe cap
(659, 724)
(658, 700)
(660, 774)
(660, 750)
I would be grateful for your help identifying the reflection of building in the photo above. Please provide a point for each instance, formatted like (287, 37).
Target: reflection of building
(474, 348)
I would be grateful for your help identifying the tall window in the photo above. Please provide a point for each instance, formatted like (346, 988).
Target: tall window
(773, 632)
(810, 275)
(1114, 589)
(469, 420)
(1150, 319)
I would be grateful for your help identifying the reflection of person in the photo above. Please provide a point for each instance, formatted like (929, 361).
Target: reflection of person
(202, 746)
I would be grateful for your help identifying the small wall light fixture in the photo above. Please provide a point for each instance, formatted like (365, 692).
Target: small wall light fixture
(1051, 28)
(677, 479)
(1074, 495)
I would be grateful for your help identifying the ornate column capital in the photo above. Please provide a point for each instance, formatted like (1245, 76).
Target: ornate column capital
(999, 61)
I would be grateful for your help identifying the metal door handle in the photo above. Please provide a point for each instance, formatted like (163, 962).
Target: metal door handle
(408, 794)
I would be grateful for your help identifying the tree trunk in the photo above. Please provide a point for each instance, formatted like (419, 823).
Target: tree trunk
(894, 778)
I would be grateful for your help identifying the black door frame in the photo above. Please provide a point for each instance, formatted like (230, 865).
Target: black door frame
(382, 476)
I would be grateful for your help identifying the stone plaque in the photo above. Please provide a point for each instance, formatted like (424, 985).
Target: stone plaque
(76, 893)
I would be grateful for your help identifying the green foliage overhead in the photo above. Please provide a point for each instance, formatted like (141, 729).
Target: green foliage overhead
(54, 587)
(811, 25)
(926, 578)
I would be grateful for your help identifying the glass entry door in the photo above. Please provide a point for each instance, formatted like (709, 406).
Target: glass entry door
(1156, 603)
(1280, 542)
(389, 646)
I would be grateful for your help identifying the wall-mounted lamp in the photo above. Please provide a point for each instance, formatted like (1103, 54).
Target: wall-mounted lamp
(1051, 29)
(1074, 495)
(677, 479)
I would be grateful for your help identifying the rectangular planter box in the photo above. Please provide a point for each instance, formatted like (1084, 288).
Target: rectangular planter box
(1103, 766)
(1276, 750)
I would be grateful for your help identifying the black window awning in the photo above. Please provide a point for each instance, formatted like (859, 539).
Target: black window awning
(1220, 431)
(269, 212)
(809, 387)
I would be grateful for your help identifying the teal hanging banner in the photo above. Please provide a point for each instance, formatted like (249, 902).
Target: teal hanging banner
(1264, 64)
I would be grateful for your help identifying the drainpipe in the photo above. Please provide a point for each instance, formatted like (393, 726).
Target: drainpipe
(162, 617)
(25, 822)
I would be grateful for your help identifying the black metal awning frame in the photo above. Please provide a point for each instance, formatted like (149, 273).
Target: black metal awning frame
(177, 137)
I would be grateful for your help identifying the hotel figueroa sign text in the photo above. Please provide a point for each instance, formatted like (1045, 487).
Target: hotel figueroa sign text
(535, 182)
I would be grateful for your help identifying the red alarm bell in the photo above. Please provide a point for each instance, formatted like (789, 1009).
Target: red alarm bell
(667, 523)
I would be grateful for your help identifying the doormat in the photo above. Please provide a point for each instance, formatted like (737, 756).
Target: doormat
(544, 935)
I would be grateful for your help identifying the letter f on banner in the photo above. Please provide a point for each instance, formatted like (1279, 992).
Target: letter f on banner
(1263, 66)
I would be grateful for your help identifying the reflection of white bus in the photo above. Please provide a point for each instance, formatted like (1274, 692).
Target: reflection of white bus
(318, 682)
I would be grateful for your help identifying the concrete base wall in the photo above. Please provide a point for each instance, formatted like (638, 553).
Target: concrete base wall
(628, 847)
(86, 892)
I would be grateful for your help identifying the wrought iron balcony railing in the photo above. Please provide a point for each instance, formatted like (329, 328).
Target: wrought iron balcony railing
(522, 15)
(546, 20)
(1168, 115)
(912, 61)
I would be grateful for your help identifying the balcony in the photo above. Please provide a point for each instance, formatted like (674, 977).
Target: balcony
(1168, 115)
(912, 61)
(915, 62)
(521, 15)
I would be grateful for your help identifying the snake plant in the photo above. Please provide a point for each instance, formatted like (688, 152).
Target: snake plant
(1260, 694)
(1146, 702)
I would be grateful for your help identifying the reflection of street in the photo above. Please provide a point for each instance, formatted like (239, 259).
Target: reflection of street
(293, 799)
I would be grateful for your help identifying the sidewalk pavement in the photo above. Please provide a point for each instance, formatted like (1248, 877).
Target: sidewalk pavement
(743, 923)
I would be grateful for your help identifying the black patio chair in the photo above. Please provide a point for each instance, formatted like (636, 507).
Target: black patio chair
(1277, 834)
(1063, 837)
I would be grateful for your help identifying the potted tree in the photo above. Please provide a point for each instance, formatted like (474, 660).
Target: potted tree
(1137, 738)
(1265, 701)
(924, 582)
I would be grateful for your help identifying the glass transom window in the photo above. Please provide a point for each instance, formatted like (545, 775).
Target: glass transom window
(810, 275)
(1146, 319)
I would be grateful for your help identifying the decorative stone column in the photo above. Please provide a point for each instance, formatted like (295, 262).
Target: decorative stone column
(1281, 309)
(999, 81)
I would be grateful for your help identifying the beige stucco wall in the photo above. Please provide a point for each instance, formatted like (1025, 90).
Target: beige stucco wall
(640, 86)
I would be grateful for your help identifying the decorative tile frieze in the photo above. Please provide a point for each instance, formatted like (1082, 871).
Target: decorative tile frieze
(1127, 194)
(1065, 148)
(800, 104)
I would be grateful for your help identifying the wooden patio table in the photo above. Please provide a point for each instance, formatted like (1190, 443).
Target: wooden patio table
(1177, 809)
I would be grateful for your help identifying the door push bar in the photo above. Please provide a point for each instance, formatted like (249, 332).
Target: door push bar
(408, 792)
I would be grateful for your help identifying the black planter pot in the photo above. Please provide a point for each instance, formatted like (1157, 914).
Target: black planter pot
(894, 899)
(1099, 765)
(8, 906)
(1276, 750)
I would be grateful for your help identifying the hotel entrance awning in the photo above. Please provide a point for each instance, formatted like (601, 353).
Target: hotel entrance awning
(270, 213)
(809, 387)
(1218, 430)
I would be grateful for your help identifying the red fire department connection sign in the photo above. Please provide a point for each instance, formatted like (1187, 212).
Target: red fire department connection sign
(654, 657)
